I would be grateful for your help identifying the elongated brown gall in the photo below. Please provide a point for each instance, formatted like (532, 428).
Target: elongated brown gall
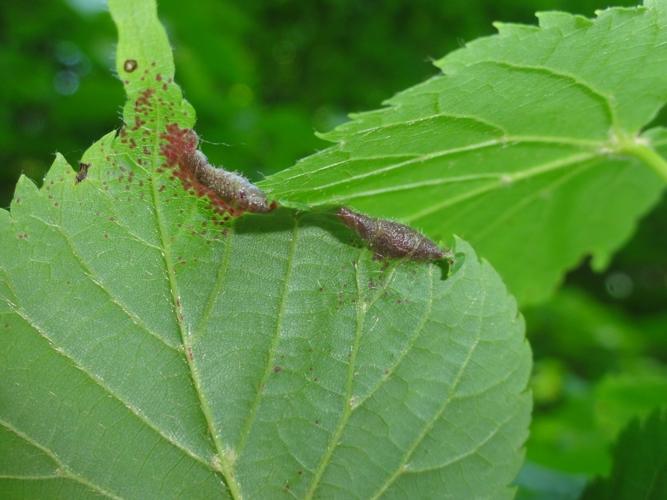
(229, 192)
(391, 239)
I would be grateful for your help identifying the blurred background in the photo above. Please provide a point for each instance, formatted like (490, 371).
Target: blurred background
(263, 76)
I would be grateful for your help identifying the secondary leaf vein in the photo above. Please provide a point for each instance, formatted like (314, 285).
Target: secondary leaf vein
(65, 471)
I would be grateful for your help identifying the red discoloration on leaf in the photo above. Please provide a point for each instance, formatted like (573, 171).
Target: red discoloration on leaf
(144, 100)
(178, 149)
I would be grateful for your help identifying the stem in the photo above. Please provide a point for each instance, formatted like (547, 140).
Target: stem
(649, 156)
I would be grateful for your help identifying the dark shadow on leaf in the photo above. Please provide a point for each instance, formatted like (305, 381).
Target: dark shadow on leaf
(283, 219)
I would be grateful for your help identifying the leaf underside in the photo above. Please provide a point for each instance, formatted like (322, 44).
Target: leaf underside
(152, 350)
(523, 145)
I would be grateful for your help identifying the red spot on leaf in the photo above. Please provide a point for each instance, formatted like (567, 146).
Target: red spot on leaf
(178, 149)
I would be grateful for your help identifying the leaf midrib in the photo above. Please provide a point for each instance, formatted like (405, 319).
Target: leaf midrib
(419, 158)
(225, 467)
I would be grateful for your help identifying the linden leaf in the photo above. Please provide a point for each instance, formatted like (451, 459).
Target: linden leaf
(529, 145)
(153, 349)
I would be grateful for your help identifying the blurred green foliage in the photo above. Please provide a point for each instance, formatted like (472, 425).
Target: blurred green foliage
(263, 76)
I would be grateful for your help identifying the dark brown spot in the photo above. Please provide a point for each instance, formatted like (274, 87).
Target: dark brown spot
(277, 369)
(130, 65)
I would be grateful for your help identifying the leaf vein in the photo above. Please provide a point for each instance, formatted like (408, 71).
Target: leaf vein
(439, 413)
(540, 169)
(88, 272)
(32, 478)
(413, 339)
(406, 123)
(605, 99)
(252, 414)
(66, 472)
(512, 209)
(473, 451)
(225, 467)
(215, 290)
(500, 142)
(362, 311)
(105, 388)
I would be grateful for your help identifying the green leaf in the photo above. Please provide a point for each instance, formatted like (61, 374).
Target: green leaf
(152, 350)
(640, 463)
(529, 145)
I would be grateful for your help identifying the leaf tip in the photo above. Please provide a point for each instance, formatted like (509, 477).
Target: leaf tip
(140, 33)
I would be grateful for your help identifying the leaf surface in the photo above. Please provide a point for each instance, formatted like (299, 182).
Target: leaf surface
(529, 145)
(151, 349)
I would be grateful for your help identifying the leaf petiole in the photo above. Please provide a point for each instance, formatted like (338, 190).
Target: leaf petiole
(648, 155)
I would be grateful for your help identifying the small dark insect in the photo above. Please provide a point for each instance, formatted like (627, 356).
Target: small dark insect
(391, 239)
(130, 65)
(230, 186)
(83, 171)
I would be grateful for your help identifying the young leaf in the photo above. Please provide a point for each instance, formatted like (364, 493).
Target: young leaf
(529, 145)
(640, 463)
(151, 349)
